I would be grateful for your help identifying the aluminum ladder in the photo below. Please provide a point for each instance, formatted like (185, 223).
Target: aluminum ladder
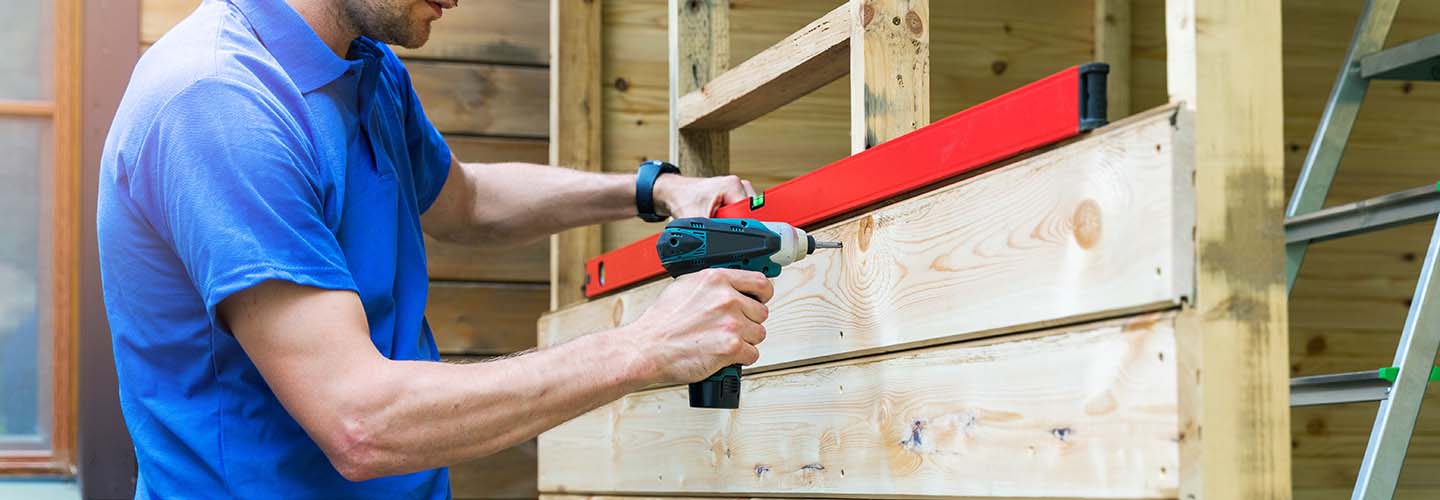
(1400, 387)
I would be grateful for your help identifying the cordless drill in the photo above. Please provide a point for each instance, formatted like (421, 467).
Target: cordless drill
(697, 243)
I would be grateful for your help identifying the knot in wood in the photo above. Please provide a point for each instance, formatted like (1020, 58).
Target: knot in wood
(1086, 223)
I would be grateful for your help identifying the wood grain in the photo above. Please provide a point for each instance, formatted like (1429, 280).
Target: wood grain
(1090, 408)
(1090, 229)
(889, 70)
(575, 110)
(498, 31)
(509, 474)
(483, 99)
(699, 36)
(1233, 337)
(484, 318)
(801, 63)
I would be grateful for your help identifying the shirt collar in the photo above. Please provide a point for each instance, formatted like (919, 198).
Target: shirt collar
(291, 41)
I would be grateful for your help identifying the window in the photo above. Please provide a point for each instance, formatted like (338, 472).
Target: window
(39, 229)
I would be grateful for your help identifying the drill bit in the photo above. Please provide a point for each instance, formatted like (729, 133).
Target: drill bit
(828, 244)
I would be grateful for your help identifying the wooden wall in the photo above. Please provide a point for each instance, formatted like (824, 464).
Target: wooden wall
(484, 81)
(1352, 296)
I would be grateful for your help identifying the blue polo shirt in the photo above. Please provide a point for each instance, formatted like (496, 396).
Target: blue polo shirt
(245, 150)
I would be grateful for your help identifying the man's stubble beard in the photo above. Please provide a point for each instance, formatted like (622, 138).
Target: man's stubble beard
(386, 21)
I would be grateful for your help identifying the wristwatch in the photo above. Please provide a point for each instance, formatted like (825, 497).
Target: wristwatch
(645, 188)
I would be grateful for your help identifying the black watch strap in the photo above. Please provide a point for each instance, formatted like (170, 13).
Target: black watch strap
(645, 188)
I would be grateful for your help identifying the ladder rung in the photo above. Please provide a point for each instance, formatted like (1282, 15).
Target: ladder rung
(1417, 60)
(1338, 388)
(1352, 387)
(1405, 207)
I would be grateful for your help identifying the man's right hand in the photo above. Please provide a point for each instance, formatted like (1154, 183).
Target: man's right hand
(703, 322)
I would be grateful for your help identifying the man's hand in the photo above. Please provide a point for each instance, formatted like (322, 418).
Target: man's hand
(703, 322)
(680, 196)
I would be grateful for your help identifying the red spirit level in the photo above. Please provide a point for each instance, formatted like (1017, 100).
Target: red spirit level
(1050, 110)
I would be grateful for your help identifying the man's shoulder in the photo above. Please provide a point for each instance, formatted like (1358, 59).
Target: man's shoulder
(211, 50)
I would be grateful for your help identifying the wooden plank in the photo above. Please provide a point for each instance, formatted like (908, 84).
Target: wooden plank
(1233, 337)
(1112, 45)
(499, 31)
(483, 99)
(509, 474)
(480, 149)
(1089, 408)
(1093, 228)
(575, 111)
(889, 70)
(484, 318)
(558, 496)
(804, 61)
(529, 263)
(452, 261)
(699, 51)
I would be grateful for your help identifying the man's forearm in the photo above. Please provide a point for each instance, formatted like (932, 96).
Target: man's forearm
(520, 202)
(424, 415)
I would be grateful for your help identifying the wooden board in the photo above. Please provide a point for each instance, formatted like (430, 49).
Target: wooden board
(485, 318)
(1090, 229)
(1090, 408)
(575, 111)
(474, 149)
(801, 63)
(699, 40)
(509, 474)
(889, 70)
(483, 99)
(507, 31)
(524, 264)
(1224, 61)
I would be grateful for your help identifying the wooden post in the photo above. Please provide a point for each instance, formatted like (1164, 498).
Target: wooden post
(1112, 45)
(1234, 351)
(889, 70)
(575, 111)
(699, 51)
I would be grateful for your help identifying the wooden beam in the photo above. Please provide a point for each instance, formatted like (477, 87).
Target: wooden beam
(487, 319)
(492, 31)
(1090, 408)
(699, 33)
(1091, 229)
(801, 63)
(36, 109)
(1112, 45)
(575, 125)
(889, 70)
(1233, 339)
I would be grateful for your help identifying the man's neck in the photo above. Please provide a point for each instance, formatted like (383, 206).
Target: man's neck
(325, 18)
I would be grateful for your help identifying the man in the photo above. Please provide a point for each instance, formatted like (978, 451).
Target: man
(262, 193)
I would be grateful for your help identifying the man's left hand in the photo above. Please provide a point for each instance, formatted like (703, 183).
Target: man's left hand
(679, 196)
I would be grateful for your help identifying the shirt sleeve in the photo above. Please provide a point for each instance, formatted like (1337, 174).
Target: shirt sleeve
(429, 154)
(228, 179)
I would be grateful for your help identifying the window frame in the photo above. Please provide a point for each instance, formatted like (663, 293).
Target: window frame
(63, 229)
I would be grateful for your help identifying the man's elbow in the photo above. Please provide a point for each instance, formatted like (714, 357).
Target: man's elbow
(352, 449)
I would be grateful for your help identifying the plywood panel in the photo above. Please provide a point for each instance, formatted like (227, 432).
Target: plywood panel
(1089, 408)
(483, 99)
(1089, 229)
(509, 31)
(485, 318)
